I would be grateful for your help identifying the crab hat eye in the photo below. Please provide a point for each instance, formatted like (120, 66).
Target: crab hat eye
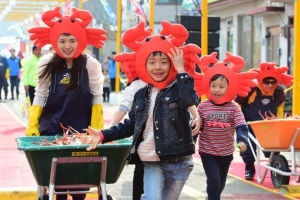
(60, 20)
(72, 20)
(211, 65)
(147, 39)
(163, 37)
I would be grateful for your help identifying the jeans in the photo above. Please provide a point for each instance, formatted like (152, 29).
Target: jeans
(14, 82)
(164, 180)
(216, 169)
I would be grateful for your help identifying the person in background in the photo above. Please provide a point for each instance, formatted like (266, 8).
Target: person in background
(70, 83)
(112, 71)
(268, 96)
(105, 64)
(14, 66)
(30, 72)
(3, 80)
(106, 86)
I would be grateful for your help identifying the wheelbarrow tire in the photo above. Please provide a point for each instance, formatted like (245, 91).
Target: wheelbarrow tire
(108, 197)
(279, 162)
(44, 197)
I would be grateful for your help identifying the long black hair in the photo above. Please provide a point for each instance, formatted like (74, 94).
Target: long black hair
(57, 64)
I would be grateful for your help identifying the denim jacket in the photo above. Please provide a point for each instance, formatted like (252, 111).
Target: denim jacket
(172, 131)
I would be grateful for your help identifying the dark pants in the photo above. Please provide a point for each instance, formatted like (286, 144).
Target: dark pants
(14, 83)
(5, 91)
(31, 92)
(216, 170)
(113, 84)
(248, 156)
(138, 181)
(106, 91)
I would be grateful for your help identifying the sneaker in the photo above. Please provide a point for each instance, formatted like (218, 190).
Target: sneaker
(249, 175)
(249, 171)
(12, 98)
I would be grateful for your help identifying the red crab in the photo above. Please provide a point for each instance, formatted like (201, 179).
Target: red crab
(75, 24)
(239, 83)
(269, 69)
(143, 44)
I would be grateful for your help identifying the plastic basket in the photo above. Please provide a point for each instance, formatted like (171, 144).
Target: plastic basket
(276, 134)
(40, 158)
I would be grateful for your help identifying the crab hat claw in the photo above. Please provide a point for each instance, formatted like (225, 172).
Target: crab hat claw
(143, 43)
(238, 83)
(75, 24)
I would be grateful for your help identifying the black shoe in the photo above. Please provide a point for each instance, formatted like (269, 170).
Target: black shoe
(249, 171)
(12, 98)
(249, 175)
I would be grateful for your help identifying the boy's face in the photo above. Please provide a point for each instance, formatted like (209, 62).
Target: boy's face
(218, 87)
(158, 67)
(12, 52)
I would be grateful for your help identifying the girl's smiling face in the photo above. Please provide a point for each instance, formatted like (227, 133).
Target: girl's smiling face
(218, 86)
(67, 45)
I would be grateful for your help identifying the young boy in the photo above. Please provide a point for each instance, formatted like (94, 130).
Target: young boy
(159, 123)
(267, 96)
(216, 140)
(221, 117)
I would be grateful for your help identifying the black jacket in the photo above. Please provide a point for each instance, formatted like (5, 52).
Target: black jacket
(172, 131)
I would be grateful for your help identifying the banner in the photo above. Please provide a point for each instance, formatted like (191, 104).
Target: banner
(139, 9)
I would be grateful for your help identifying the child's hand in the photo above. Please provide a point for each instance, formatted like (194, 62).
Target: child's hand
(97, 138)
(177, 59)
(242, 146)
(196, 125)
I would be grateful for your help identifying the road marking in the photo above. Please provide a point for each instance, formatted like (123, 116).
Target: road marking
(193, 192)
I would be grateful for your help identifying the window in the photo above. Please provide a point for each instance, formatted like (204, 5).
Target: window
(250, 38)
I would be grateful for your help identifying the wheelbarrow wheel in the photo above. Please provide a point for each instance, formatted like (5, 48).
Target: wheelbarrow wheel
(44, 197)
(279, 162)
(108, 197)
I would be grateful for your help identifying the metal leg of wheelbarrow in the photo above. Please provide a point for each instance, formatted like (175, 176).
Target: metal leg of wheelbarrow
(101, 186)
(41, 190)
(257, 158)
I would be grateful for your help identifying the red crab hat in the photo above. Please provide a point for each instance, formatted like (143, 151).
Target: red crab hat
(238, 83)
(140, 40)
(269, 69)
(75, 24)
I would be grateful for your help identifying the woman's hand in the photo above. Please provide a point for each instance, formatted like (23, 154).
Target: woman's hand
(97, 137)
(177, 59)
